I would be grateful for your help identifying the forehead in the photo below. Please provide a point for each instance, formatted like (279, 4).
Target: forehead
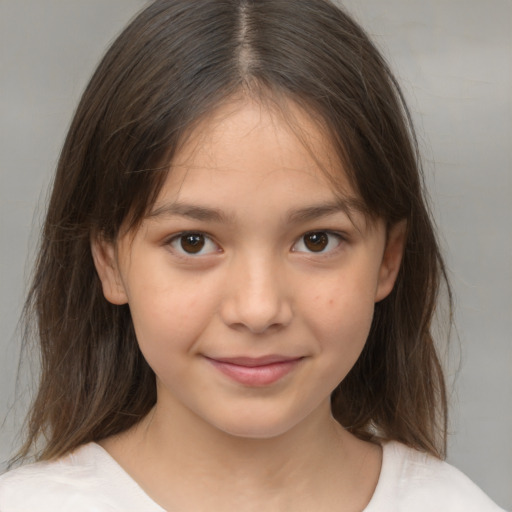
(245, 145)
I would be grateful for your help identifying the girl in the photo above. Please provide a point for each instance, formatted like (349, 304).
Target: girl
(237, 279)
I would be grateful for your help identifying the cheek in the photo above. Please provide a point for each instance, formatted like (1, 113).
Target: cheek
(340, 314)
(169, 317)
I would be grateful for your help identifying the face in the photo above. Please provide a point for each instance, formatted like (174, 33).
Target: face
(252, 283)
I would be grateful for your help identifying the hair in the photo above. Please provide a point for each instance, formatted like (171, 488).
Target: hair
(173, 65)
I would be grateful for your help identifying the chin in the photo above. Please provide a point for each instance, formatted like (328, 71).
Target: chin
(257, 425)
(256, 432)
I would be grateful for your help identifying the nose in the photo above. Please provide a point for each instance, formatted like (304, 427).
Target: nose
(256, 297)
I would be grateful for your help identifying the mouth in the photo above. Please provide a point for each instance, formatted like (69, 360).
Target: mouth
(255, 372)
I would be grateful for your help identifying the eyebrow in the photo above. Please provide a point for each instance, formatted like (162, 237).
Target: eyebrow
(346, 205)
(191, 211)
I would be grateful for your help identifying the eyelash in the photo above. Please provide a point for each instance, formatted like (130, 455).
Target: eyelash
(323, 236)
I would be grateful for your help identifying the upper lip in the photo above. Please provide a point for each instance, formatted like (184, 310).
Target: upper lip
(255, 361)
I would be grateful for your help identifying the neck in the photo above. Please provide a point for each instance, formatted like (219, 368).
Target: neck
(169, 453)
(194, 444)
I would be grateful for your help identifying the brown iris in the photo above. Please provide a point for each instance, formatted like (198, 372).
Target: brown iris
(192, 243)
(316, 242)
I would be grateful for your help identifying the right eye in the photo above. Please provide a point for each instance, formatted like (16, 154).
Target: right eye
(193, 244)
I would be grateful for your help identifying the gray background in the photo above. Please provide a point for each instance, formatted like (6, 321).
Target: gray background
(454, 59)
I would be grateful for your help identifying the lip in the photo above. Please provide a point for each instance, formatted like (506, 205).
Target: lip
(255, 371)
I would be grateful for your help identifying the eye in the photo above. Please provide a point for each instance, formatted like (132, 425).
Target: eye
(317, 242)
(193, 244)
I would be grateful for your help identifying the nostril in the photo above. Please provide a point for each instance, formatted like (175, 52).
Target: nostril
(257, 317)
(256, 297)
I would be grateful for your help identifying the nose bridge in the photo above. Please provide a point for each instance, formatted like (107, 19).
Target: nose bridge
(256, 294)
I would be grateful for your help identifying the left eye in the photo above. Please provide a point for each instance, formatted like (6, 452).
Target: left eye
(317, 242)
(193, 244)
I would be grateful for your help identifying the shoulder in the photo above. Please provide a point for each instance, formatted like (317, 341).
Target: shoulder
(84, 481)
(68, 483)
(418, 482)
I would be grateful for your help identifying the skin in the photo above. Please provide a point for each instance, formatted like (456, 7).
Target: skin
(249, 190)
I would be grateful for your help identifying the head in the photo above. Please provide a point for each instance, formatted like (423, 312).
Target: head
(170, 71)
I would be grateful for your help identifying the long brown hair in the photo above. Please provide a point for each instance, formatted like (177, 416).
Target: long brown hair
(171, 66)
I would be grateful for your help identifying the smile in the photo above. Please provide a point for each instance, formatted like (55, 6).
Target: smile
(255, 372)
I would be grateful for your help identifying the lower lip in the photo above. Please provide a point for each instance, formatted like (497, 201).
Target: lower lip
(256, 376)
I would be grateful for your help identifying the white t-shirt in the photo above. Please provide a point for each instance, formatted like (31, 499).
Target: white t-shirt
(90, 480)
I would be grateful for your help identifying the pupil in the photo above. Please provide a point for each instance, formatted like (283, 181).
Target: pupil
(192, 243)
(316, 242)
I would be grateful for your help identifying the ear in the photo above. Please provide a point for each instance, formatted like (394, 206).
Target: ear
(105, 261)
(391, 259)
